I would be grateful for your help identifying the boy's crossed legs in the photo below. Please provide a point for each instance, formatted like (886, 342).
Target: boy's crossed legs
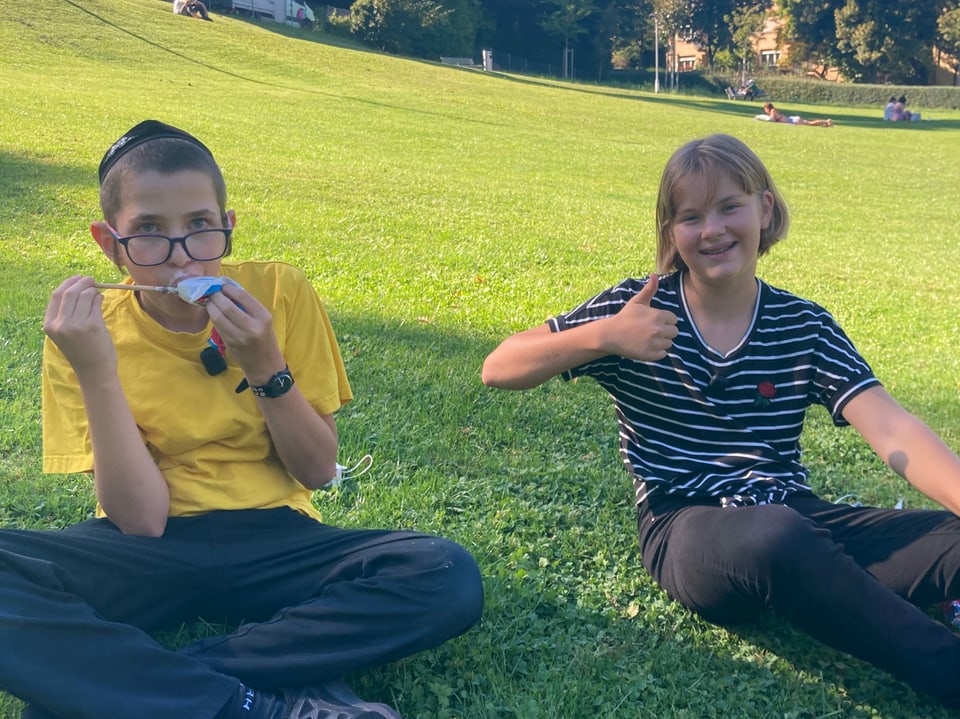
(320, 602)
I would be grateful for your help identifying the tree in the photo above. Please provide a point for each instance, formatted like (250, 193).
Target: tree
(671, 16)
(887, 40)
(622, 33)
(869, 40)
(422, 28)
(512, 27)
(604, 38)
(812, 30)
(460, 34)
(948, 37)
(708, 21)
(567, 22)
(746, 23)
(517, 30)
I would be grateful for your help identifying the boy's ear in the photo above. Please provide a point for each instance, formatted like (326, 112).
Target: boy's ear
(232, 218)
(107, 242)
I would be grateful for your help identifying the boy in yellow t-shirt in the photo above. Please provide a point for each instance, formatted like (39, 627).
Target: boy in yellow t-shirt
(203, 466)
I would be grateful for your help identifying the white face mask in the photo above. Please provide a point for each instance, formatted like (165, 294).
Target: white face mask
(196, 290)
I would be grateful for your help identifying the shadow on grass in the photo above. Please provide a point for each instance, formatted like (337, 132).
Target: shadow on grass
(28, 182)
(747, 110)
(861, 683)
(533, 656)
(36, 186)
(530, 483)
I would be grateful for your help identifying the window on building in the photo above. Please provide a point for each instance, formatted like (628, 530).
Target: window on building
(686, 64)
(770, 58)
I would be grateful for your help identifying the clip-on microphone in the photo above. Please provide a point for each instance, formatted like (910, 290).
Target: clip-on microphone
(212, 356)
(214, 361)
(717, 386)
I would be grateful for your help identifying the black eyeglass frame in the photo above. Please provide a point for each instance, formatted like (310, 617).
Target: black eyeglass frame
(171, 241)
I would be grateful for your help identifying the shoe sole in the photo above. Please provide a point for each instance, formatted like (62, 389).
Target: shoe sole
(336, 701)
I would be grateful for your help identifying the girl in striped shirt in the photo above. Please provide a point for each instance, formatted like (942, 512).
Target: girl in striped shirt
(711, 371)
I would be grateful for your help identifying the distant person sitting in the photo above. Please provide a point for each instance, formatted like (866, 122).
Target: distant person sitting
(302, 19)
(900, 111)
(191, 8)
(777, 116)
(888, 108)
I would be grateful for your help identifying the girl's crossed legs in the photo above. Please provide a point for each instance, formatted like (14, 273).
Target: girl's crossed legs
(855, 578)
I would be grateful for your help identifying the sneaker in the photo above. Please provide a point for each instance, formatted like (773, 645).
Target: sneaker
(334, 700)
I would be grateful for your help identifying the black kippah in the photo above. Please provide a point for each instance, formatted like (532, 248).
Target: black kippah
(139, 134)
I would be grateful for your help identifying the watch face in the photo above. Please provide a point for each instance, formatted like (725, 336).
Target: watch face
(278, 385)
(281, 382)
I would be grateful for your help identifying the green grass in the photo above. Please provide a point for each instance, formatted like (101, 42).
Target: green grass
(437, 210)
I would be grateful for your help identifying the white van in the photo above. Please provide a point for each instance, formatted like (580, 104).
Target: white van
(287, 11)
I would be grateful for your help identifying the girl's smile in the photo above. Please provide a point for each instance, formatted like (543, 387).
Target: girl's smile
(718, 250)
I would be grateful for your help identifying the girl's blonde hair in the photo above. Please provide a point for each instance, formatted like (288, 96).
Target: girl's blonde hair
(708, 158)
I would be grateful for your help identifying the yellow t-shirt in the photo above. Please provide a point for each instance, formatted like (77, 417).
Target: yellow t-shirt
(211, 443)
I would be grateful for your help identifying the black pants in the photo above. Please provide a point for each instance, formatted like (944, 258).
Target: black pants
(853, 578)
(314, 602)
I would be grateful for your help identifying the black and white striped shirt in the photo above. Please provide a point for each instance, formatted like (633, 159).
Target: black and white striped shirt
(706, 426)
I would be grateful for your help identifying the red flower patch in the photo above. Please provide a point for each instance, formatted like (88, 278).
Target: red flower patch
(766, 391)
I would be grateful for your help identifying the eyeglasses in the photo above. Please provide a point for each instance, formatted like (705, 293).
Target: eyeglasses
(150, 250)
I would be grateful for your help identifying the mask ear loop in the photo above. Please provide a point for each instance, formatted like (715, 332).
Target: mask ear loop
(357, 470)
(213, 358)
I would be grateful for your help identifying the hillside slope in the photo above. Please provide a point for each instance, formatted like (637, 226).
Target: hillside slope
(436, 210)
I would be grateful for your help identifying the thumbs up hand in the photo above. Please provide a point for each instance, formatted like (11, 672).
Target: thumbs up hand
(639, 331)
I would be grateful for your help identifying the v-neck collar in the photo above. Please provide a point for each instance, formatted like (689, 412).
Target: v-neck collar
(696, 330)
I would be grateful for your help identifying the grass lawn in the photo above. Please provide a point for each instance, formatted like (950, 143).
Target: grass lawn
(437, 210)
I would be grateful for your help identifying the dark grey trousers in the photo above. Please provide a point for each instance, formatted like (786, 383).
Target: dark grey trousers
(854, 578)
(313, 602)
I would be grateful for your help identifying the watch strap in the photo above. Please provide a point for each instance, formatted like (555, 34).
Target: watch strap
(276, 386)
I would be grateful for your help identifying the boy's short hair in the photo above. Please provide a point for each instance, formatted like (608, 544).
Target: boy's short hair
(153, 146)
(708, 158)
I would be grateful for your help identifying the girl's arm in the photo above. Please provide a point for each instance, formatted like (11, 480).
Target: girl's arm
(530, 358)
(907, 445)
(128, 483)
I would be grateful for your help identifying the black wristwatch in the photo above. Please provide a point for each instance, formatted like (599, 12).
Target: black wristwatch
(277, 386)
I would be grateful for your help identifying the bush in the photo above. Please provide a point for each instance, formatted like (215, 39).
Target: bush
(689, 83)
(808, 91)
(338, 25)
(627, 57)
(419, 28)
(724, 59)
